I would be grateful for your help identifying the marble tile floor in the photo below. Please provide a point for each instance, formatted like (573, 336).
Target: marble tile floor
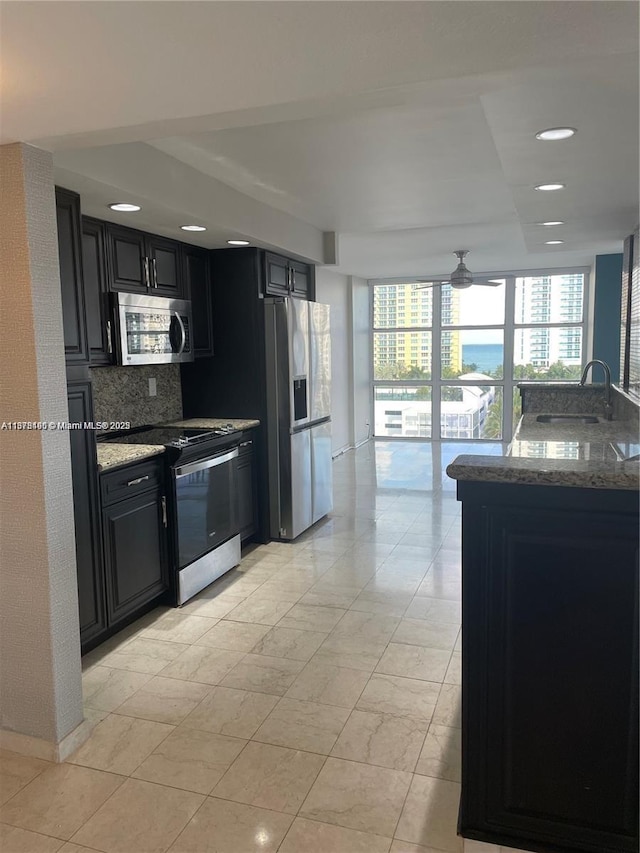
(306, 702)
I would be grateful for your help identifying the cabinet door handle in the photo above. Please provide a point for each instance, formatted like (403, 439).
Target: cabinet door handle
(164, 510)
(245, 443)
(138, 480)
(145, 267)
(154, 267)
(109, 339)
(293, 279)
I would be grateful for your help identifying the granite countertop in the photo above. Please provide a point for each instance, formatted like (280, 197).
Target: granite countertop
(579, 455)
(112, 455)
(204, 423)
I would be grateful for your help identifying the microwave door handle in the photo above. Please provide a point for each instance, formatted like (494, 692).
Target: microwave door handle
(172, 336)
(183, 334)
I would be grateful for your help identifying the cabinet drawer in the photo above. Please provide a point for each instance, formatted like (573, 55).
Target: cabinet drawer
(130, 480)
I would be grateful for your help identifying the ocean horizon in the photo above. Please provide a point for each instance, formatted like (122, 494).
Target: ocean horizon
(484, 356)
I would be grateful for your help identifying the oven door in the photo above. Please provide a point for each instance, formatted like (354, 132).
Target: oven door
(206, 505)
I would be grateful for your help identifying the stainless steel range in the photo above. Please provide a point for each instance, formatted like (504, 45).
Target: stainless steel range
(203, 501)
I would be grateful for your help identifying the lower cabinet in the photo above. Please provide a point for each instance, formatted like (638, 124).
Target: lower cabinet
(247, 490)
(86, 507)
(136, 560)
(550, 668)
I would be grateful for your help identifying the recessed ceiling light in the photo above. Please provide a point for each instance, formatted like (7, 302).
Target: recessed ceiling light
(555, 133)
(547, 188)
(238, 242)
(124, 207)
(193, 228)
(554, 242)
(551, 222)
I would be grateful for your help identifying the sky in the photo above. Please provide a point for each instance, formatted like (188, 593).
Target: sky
(482, 305)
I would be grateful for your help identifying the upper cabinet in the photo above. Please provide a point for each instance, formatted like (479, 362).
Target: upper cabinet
(99, 323)
(284, 277)
(198, 279)
(143, 263)
(71, 279)
(302, 281)
(165, 267)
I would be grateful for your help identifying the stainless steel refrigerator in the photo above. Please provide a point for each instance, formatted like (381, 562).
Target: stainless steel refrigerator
(298, 345)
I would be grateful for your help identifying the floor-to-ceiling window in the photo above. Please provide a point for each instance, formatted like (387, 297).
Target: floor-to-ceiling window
(445, 360)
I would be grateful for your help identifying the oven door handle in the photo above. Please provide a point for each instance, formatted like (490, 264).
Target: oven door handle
(203, 464)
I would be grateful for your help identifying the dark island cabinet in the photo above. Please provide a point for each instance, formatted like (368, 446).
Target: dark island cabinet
(198, 278)
(86, 507)
(99, 323)
(143, 263)
(247, 490)
(71, 279)
(550, 668)
(134, 522)
(285, 277)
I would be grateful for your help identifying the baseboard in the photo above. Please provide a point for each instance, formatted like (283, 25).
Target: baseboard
(47, 750)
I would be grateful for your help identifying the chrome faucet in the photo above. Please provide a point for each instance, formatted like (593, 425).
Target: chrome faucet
(608, 405)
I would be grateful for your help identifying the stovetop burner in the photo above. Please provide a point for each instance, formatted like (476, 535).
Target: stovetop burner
(175, 437)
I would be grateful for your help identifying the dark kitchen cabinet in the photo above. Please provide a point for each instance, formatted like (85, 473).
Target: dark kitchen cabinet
(128, 264)
(165, 267)
(86, 508)
(198, 279)
(134, 533)
(284, 277)
(70, 256)
(99, 322)
(550, 668)
(143, 263)
(301, 279)
(246, 485)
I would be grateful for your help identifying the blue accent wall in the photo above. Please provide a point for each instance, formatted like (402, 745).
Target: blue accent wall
(606, 323)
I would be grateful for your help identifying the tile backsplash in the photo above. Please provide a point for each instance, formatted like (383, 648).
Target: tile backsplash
(122, 394)
(566, 397)
(538, 398)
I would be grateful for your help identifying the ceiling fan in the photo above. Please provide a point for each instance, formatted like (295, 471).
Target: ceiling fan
(460, 278)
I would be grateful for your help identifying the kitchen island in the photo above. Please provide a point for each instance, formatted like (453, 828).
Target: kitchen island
(550, 649)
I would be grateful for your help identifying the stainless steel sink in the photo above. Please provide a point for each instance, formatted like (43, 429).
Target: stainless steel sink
(567, 419)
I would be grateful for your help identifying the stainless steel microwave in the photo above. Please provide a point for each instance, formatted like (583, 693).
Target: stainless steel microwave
(152, 330)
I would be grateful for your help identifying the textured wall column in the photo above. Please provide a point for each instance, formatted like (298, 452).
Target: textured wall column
(40, 677)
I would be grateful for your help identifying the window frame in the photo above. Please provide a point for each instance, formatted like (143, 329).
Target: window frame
(508, 384)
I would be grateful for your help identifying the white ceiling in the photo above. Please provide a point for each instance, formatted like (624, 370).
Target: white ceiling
(406, 127)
